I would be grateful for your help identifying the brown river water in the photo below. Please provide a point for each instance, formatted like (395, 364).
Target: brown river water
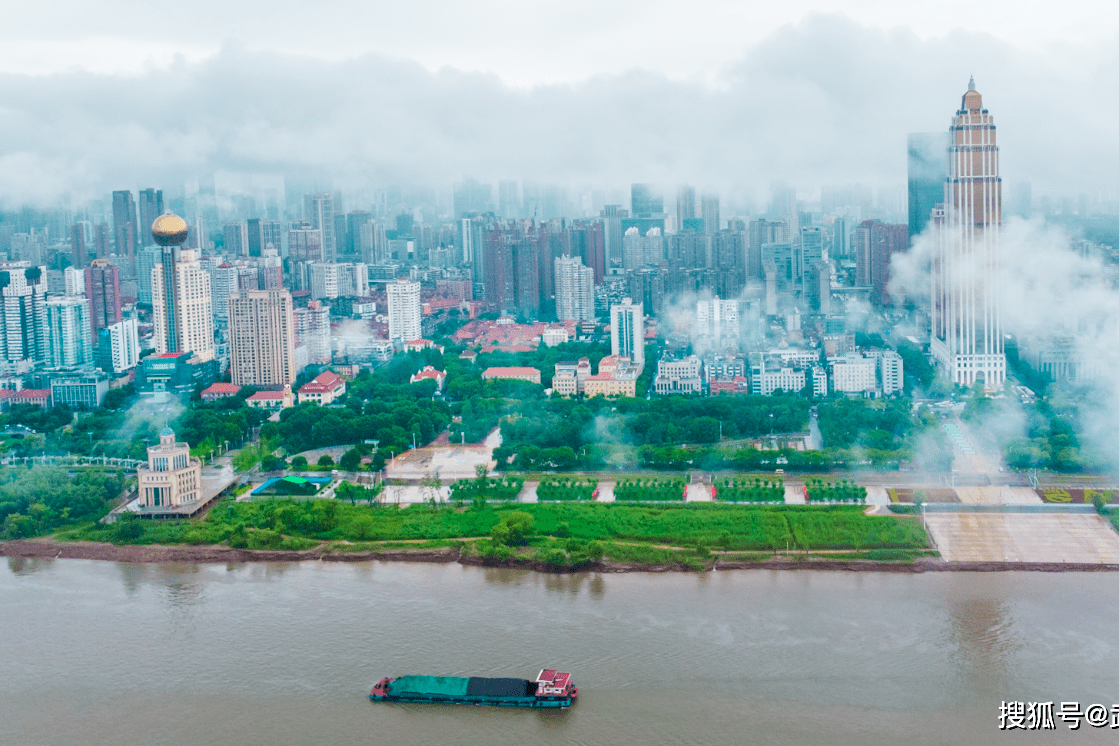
(105, 653)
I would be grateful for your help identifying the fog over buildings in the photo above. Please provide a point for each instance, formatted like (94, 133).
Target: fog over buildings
(812, 102)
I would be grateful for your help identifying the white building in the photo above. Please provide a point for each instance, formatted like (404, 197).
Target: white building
(854, 374)
(312, 333)
(69, 331)
(74, 280)
(627, 331)
(23, 312)
(119, 346)
(764, 380)
(331, 280)
(574, 289)
(717, 321)
(679, 376)
(404, 310)
(183, 307)
(891, 372)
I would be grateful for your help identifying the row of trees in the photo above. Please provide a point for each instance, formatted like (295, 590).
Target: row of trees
(650, 490)
(563, 489)
(750, 490)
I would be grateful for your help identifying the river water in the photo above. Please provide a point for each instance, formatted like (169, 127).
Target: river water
(105, 653)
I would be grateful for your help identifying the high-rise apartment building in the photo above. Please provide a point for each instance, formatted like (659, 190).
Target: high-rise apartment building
(102, 288)
(68, 332)
(73, 281)
(118, 346)
(574, 289)
(627, 331)
(967, 337)
(928, 168)
(404, 310)
(182, 305)
(23, 306)
(329, 281)
(312, 331)
(305, 244)
(717, 320)
(78, 254)
(261, 338)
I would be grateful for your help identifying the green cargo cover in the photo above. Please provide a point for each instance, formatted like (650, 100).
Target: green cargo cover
(448, 686)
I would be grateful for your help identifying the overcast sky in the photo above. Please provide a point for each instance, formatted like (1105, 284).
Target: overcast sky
(95, 96)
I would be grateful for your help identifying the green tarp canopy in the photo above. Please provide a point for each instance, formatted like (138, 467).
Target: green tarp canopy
(452, 686)
(295, 480)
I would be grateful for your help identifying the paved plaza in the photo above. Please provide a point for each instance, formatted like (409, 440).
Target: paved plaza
(1024, 537)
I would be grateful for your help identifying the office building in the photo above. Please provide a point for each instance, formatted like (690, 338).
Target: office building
(627, 331)
(967, 338)
(69, 332)
(78, 253)
(928, 169)
(261, 338)
(125, 228)
(678, 376)
(118, 346)
(685, 206)
(182, 306)
(23, 329)
(709, 208)
(404, 310)
(574, 290)
(79, 389)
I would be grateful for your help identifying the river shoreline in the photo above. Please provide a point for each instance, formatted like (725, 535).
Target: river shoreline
(215, 554)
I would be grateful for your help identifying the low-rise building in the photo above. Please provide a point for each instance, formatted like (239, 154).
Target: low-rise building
(172, 477)
(323, 388)
(553, 336)
(39, 397)
(79, 389)
(281, 399)
(570, 375)
(734, 385)
(174, 372)
(219, 390)
(679, 376)
(521, 373)
(854, 374)
(429, 373)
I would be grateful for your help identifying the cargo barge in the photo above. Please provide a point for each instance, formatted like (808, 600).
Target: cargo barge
(551, 689)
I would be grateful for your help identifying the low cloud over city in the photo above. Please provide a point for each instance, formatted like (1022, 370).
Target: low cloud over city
(824, 100)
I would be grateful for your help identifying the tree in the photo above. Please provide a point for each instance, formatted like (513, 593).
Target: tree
(514, 529)
(326, 460)
(350, 460)
(299, 463)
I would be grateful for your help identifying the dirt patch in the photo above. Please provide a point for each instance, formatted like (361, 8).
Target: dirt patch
(932, 495)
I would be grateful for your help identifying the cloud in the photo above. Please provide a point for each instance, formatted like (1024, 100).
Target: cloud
(824, 101)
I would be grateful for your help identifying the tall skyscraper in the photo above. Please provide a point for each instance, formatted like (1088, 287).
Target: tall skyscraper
(182, 306)
(967, 335)
(304, 244)
(102, 288)
(404, 310)
(261, 338)
(928, 168)
(627, 331)
(318, 210)
(312, 331)
(685, 206)
(709, 204)
(646, 201)
(574, 289)
(23, 307)
(150, 206)
(68, 331)
(78, 253)
(125, 227)
(236, 238)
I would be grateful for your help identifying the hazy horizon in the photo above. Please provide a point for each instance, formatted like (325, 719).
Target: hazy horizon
(825, 100)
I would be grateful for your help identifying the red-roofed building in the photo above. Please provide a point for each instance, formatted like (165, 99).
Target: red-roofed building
(271, 399)
(416, 345)
(429, 373)
(220, 391)
(324, 388)
(39, 397)
(532, 375)
(736, 385)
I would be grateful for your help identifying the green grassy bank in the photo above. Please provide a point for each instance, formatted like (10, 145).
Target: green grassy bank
(558, 534)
